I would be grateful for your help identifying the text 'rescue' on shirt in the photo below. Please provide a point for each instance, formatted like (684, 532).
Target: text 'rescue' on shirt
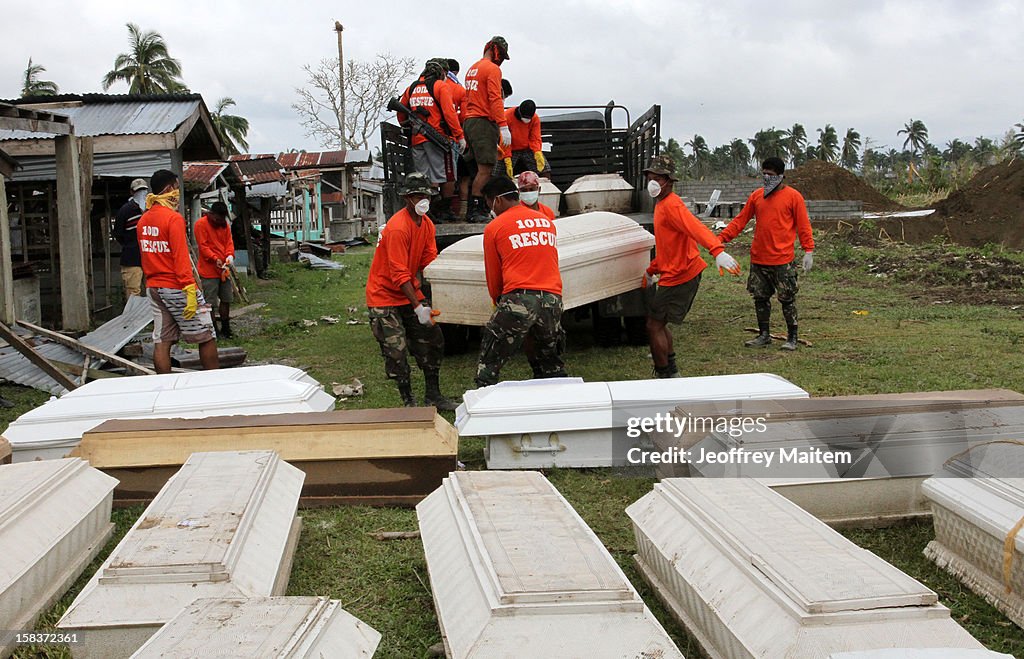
(521, 252)
(164, 248)
(438, 105)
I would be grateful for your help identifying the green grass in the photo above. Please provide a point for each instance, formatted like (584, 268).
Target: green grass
(905, 342)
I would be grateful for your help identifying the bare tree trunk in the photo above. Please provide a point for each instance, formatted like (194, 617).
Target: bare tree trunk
(341, 86)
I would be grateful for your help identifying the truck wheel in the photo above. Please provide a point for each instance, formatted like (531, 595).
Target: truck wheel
(636, 330)
(607, 331)
(456, 338)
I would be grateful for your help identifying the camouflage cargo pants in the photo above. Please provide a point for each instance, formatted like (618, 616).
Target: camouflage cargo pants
(398, 332)
(767, 280)
(520, 314)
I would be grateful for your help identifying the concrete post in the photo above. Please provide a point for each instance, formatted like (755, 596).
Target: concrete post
(74, 294)
(6, 264)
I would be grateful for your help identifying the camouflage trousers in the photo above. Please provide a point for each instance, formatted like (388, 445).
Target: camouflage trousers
(767, 280)
(522, 314)
(399, 332)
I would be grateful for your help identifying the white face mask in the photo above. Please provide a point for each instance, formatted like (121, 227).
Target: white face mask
(529, 198)
(140, 197)
(422, 206)
(525, 120)
(653, 188)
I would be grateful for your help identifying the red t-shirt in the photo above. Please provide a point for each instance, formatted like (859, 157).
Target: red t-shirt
(676, 236)
(403, 250)
(214, 243)
(780, 219)
(164, 248)
(521, 251)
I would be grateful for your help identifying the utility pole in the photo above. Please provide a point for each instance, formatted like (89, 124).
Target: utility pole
(341, 85)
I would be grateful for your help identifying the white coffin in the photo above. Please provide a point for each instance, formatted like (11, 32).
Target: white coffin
(515, 572)
(933, 653)
(56, 427)
(54, 519)
(292, 627)
(750, 574)
(599, 192)
(599, 255)
(224, 526)
(977, 502)
(550, 195)
(563, 423)
(856, 502)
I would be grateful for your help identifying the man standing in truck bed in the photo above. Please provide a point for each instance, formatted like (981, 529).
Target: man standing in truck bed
(781, 216)
(483, 116)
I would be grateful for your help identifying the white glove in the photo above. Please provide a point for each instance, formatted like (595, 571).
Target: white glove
(506, 136)
(460, 146)
(727, 263)
(230, 259)
(808, 261)
(423, 314)
(651, 280)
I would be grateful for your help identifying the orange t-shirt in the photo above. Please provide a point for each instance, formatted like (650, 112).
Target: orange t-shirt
(525, 136)
(550, 214)
(164, 248)
(418, 96)
(214, 243)
(483, 93)
(676, 236)
(403, 250)
(780, 219)
(521, 251)
(458, 95)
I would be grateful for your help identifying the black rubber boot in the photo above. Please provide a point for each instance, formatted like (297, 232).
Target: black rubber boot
(667, 371)
(672, 362)
(225, 329)
(478, 213)
(791, 339)
(763, 309)
(405, 391)
(433, 396)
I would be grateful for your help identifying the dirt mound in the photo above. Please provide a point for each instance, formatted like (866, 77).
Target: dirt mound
(821, 180)
(989, 209)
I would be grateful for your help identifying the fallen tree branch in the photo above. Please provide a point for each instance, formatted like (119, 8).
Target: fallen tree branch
(395, 535)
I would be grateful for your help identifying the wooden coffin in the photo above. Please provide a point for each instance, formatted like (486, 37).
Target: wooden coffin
(599, 255)
(750, 574)
(380, 457)
(54, 519)
(285, 627)
(977, 503)
(5, 452)
(515, 572)
(223, 526)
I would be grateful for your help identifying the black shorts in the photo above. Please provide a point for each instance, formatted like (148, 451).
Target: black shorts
(670, 304)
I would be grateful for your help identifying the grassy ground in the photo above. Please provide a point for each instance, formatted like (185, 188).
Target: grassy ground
(882, 318)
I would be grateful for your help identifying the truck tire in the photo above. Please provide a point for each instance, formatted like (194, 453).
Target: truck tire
(636, 330)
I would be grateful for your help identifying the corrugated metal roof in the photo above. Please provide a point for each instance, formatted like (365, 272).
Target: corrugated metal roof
(108, 337)
(251, 169)
(128, 165)
(323, 159)
(124, 117)
(202, 174)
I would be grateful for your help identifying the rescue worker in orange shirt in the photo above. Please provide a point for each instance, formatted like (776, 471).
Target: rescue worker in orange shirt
(781, 216)
(483, 116)
(179, 310)
(529, 193)
(216, 254)
(463, 176)
(400, 315)
(673, 277)
(525, 284)
(524, 153)
(431, 97)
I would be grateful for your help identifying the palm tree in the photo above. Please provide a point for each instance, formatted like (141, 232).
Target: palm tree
(917, 135)
(851, 145)
(828, 143)
(675, 151)
(956, 150)
(984, 151)
(231, 129)
(796, 140)
(700, 149)
(147, 67)
(739, 156)
(768, 142)
(33, 86)
(1020, 132)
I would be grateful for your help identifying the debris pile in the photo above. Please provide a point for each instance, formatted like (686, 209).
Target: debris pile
(989, 209)
(821, 180)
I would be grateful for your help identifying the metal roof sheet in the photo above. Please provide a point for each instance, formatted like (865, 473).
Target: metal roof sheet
(323, 159)
(202, 174)
(251, 169)
(124, 117)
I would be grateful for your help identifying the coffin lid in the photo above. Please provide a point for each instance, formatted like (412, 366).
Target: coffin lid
(511, 511)
(195, 528)
(24, 485)
(764, 538)
(547, 187)
(920, 653)
(598, 183)
(282, 627)
(482, 408)
(700, 389)
(162, 382)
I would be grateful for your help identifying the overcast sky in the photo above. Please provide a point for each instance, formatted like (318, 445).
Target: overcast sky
(722, 68)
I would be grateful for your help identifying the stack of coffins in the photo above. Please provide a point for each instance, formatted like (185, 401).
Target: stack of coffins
(285, 627)
(54, 519)
(539, 424)
(392, 457)
(751, 574)
(54, 428)
(516, 572)
(978, 507)
(599, 255)
(223, 526)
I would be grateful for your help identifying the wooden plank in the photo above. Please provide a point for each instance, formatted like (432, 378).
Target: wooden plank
(6, 272)
(35, 125)
(75, 344)
(74, 289)
(241, 311)
(30, 353)
(93, 373)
